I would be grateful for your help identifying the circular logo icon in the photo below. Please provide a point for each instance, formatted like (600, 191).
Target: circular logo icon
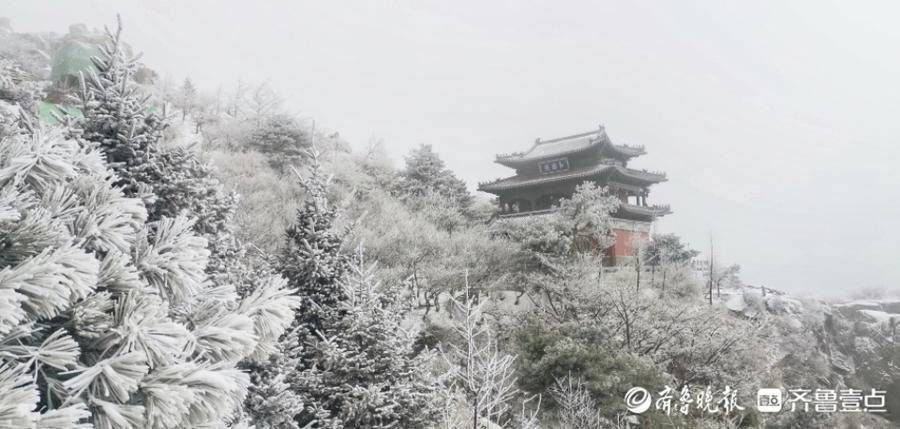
(638, 400)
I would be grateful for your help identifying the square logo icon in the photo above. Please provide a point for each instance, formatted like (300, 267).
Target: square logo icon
(768, 400)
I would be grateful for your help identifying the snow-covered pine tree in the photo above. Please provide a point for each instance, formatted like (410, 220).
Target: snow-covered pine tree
(348, 363)
(187, 98)
(120, 119)
(314, 265)
(366, 365)
(107, 320)
(426, 174)
(312, 259)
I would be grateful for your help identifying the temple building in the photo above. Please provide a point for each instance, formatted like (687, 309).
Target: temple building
(551, 170)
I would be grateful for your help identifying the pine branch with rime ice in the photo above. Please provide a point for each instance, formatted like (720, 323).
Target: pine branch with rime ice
(108, 309)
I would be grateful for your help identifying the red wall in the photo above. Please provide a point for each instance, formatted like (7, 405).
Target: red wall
(624, 241)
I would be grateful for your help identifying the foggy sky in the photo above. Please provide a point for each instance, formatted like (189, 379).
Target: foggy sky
(777, 124)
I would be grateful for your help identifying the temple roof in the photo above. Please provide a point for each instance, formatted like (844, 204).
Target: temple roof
(513, 182)
(543, 149)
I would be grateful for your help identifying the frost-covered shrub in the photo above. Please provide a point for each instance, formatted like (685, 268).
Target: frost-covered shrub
(582, 225)
(17, 87)
(268, 199)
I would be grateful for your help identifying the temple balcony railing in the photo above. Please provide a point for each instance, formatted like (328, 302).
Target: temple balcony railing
(656, 209)
(512, 214)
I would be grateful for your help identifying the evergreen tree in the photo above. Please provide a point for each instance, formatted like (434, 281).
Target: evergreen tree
(347, 363)
(666, 253)
(107, 317)
(281, 139)
(667, 249)
(426, 174)
(119, 119)
(187, 97)
(107, 320)
(366, 374)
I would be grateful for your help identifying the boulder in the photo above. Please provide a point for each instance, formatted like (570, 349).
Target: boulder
(841, 362)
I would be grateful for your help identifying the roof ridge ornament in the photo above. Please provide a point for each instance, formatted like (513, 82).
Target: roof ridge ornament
(573, 136)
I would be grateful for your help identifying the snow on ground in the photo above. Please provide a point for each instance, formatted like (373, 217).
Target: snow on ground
(183, 132)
